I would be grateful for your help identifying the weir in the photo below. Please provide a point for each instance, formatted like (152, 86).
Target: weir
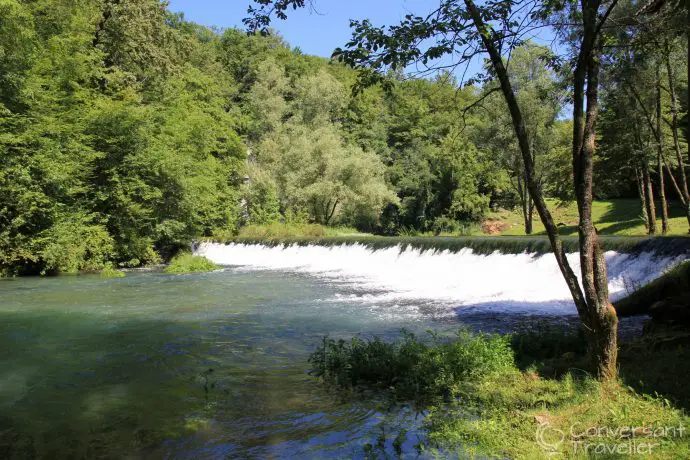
(479, 278)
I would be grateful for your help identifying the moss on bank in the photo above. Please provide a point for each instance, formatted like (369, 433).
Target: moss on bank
(188, 263)
(478, 244)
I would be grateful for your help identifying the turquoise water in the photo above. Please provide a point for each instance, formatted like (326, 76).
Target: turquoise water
(207, 365)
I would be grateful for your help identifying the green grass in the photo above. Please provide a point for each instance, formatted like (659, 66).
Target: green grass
(188, 263)
(278, 230)
(481, 400)
(615, 217)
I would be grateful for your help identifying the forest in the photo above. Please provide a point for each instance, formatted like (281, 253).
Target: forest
(127, 132)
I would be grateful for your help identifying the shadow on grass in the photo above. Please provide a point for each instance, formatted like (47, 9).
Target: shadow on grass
(554, 346)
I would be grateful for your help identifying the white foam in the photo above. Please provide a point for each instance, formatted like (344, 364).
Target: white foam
(504, 282)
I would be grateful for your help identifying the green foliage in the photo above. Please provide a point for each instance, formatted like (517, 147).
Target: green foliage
(111, 272)
(188, 263)
(117, 140)
(76, 244)
(411, 368)
(162, 131)
(282, 230)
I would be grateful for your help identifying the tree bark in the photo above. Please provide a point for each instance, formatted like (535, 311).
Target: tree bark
(676, 187)
(643, 196)
(530, 215)
(674, 128)
(651, 208)
(660, 155)
(601, 321)
(687, 36)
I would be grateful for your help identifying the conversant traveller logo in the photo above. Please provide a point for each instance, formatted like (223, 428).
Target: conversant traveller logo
(605, 440)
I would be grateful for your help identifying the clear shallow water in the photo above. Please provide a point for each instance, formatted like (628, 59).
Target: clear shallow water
(93, 367)
(215, 365)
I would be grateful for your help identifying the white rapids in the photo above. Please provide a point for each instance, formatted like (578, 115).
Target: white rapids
(518, 283)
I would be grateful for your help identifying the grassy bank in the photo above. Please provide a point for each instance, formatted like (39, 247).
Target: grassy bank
(614, 217)
(487, 395)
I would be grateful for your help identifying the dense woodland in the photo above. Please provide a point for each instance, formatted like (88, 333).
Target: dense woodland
(126, 132)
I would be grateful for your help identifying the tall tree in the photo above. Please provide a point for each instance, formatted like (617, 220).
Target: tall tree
(495, 29)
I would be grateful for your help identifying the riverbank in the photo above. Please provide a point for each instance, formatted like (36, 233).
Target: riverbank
(510, 397)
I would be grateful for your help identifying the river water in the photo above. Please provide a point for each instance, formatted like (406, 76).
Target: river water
(214, 365)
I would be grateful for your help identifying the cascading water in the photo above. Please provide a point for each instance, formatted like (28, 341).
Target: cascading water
(499, 282)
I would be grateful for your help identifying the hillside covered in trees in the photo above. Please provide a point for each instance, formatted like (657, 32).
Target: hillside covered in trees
(126, 132)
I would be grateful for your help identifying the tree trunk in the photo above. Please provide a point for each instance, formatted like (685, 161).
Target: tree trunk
(676, 187)
(527, 210)
(651, 208)
(674, 128)
(687, 36)
(522, 193)
(643, 196)
(530, 215)
(600, 319)
(660, 155)
(593, 306)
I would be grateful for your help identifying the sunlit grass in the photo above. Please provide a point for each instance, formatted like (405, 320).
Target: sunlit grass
(615, 217)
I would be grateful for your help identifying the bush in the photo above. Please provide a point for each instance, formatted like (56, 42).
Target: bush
(445, 224)
(188, 263)
(75, 244)
(411, 368)
(111, 272)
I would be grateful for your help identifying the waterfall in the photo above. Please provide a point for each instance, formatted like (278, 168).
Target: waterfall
(524, 282)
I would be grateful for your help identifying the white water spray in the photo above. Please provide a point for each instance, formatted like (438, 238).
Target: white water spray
(524, 282)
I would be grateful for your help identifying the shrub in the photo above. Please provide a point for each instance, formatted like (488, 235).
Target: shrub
(412, 368)
(75, 244)
(188, 263)
(445, 224)
(111, 272)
